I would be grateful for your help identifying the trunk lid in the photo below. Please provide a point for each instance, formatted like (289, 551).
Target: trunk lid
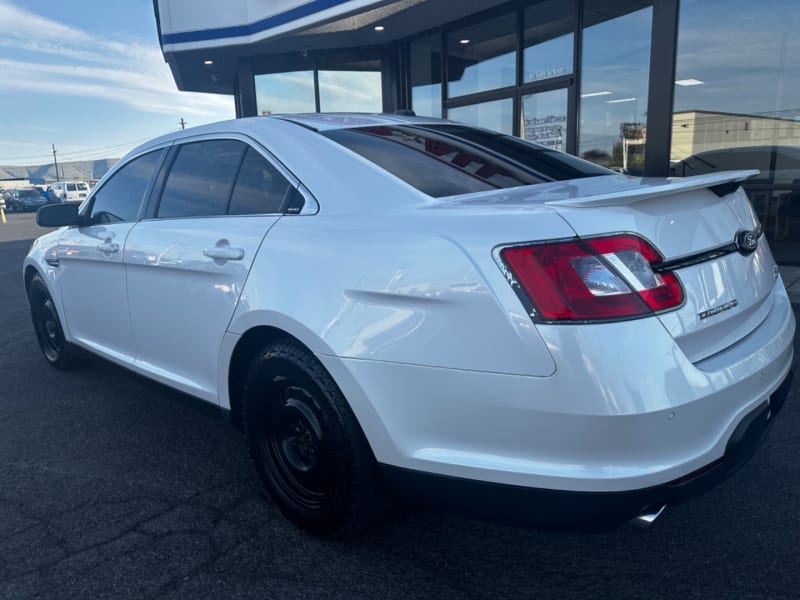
(693, 223)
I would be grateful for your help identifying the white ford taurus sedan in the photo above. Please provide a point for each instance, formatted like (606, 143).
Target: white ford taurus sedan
(394, 304)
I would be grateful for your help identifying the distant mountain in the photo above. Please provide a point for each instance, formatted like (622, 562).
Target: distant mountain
(79, 169)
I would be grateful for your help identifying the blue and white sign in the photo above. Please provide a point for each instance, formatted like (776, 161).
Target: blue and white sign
(196, 24)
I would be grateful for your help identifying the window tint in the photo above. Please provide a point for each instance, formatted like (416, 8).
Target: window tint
(201, 179)
(71, 187)
(121, 196)
(446, 160)
(260, 188)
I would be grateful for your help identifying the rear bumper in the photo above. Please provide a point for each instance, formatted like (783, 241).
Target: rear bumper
(561, 510)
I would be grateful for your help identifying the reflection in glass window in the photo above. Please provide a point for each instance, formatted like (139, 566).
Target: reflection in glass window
(737, 104)
(497, 115)
(350, 91)
(544, 119)
(549, 39)
(426, 76)
(451, 159)
(737, 75)
(482, 57)
(120, 198)
(200, 180)
(285, 93)
(616, 64)
(260, 187)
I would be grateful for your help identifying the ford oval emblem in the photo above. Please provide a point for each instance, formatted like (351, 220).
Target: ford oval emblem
(746, 241)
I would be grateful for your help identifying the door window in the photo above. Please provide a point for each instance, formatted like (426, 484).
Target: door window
(120, 198)
(260, 188)
(201, 179)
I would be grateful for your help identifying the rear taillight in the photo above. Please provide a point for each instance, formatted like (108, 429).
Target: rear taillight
(591, 280)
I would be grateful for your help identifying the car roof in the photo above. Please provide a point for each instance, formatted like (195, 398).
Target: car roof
(310, 121)
(328, 121)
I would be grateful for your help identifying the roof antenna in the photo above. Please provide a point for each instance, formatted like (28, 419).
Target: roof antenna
(405, 112)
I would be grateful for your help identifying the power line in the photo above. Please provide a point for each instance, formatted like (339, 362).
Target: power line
(83, 152)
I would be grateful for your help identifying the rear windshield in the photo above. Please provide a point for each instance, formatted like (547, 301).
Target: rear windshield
(447, 160)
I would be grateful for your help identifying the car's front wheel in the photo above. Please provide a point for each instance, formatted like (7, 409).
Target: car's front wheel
(307, 445)
(56, 349)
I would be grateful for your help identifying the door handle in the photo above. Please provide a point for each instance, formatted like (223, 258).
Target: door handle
(224, 253)
(108, 247)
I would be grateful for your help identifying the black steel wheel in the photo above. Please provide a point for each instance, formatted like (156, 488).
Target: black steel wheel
(305, 441)
(49, 333)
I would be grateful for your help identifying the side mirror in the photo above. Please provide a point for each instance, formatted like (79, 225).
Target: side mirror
(58, 215)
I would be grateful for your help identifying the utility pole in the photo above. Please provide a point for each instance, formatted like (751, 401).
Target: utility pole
(55, 162)
(183, 123)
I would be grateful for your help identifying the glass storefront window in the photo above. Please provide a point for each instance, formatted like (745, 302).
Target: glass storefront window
(737, 104)
(285, 93)
(350, 91)
(482, 56)
(426, 75)
(549, 40)
(614, 88)
(544, 119)
(497, 115)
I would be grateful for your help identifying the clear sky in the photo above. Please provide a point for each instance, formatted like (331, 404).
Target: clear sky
(89, 77)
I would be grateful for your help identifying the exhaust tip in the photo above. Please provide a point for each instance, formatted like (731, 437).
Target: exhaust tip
(649, 515)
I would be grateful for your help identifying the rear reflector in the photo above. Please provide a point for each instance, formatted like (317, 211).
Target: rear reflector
(597, 279)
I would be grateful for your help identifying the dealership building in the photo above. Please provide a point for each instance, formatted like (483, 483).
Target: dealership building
(646, 87)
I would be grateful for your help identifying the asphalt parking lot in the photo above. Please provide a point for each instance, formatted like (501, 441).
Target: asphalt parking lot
(114, 487)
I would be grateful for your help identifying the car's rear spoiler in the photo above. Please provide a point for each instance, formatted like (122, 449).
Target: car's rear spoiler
(722, 184)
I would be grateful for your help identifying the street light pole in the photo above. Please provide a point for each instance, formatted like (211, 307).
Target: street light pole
(55, 162)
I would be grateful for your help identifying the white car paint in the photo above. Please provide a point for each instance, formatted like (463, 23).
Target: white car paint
(178, 341)
(402, 299)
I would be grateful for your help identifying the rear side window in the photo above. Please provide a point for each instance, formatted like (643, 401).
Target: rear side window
(447, 160)
(121, 196)
(201, 179)
(71, 187)
(260, 187)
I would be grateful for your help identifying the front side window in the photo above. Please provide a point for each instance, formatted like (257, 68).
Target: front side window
(449, 159)
(201, 179)
(120, 198)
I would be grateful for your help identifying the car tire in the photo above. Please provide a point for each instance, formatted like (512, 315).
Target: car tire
(47, 325)
(307, 445)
